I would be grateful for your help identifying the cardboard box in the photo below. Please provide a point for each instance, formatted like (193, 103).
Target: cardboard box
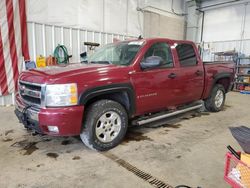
(247, 88)
(246, 79)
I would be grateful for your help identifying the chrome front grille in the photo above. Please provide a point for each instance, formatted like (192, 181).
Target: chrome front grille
(30, 92)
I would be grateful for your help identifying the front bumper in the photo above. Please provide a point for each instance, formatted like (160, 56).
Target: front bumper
(68, 120)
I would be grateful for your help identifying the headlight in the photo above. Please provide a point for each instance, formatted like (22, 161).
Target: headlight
(61, 95)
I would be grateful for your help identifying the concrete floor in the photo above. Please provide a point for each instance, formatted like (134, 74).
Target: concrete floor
(186, 150)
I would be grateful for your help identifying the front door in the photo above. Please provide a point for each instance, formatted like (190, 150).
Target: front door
(155, 87)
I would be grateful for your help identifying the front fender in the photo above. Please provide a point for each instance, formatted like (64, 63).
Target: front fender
(91, 93)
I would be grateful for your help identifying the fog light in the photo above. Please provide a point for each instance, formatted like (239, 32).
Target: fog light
(53, 129)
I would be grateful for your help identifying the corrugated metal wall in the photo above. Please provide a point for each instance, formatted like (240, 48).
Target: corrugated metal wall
(43, 38)
(7, 100)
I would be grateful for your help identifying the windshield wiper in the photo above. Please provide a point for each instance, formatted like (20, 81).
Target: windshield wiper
(101, 62)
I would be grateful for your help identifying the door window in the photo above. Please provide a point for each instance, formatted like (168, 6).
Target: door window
(162, 50)
(186, 55)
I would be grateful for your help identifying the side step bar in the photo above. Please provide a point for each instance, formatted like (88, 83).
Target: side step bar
(149, 120)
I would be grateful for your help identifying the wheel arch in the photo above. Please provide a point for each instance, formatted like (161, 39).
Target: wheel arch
(224, 79)
(121, 93)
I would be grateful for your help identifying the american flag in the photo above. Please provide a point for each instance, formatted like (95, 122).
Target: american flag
(13, 43)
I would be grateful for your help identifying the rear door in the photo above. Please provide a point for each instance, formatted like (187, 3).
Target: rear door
(190, 72)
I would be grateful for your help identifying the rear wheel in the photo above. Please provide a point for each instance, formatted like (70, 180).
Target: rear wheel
(105, 125)
(216, 100)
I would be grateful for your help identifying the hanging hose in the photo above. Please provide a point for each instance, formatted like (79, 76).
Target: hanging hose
(61, 54)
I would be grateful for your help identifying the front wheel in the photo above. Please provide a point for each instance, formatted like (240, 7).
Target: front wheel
(216, 100)
(105, 125)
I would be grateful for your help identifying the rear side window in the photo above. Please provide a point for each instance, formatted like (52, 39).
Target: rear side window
(186, 54)
(162, 50)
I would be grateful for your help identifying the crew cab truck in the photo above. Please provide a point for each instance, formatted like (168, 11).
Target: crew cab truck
(136, 81)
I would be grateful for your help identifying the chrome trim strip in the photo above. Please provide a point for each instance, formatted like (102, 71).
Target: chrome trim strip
(43, 88)
(30, 83)
(29, 92)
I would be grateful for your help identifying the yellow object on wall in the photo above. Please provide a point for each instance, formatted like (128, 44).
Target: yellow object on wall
(40, 61)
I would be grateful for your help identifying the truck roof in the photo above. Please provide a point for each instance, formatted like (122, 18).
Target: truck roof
(160, 38)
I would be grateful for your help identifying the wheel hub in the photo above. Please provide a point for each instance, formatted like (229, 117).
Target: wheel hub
(219, 98)
(108, 126)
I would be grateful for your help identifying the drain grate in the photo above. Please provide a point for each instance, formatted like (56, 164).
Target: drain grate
(141, 174)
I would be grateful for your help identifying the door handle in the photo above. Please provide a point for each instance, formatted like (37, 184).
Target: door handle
(172, 75)
(199, 73)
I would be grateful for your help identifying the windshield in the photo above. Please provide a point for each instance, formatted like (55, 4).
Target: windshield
(119, 53)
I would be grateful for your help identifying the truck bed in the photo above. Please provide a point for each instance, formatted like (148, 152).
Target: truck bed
(215, 68)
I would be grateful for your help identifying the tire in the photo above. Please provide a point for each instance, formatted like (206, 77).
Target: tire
(216, 100)
(105, 125)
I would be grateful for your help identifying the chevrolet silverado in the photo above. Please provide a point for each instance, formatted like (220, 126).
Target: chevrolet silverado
(123, 83)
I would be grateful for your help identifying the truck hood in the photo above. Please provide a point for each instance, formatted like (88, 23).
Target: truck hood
(52, 74)
(69, 69)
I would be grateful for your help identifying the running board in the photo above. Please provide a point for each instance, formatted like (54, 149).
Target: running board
(149, 120)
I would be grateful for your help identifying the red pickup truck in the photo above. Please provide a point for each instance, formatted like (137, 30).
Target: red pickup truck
(128, 82)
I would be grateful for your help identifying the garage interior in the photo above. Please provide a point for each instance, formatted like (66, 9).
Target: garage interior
(187, 149)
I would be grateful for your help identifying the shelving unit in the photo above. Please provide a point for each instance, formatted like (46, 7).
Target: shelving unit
(242, 81)
(225, 56)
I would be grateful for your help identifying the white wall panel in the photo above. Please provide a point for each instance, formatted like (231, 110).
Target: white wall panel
(49, 43)
(223, 23)
(116, 16)
(226, 27)
(247, 23)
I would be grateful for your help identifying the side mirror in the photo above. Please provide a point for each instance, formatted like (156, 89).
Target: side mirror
(151, 62)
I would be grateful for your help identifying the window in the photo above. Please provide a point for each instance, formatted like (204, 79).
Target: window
(121, 53)
(162, 50)
(186, 54)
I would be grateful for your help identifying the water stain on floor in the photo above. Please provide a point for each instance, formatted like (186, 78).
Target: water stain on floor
(52, 155)
(200, 114)
(20, 144)
(46, 140)
(76, 158)
(164, 132)
(39, 165)
(30, 148)
(66, 142)
(8, 132)
(7, 140)
(205, 113)
(174, 126)
(225, 107)
(135, 136)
